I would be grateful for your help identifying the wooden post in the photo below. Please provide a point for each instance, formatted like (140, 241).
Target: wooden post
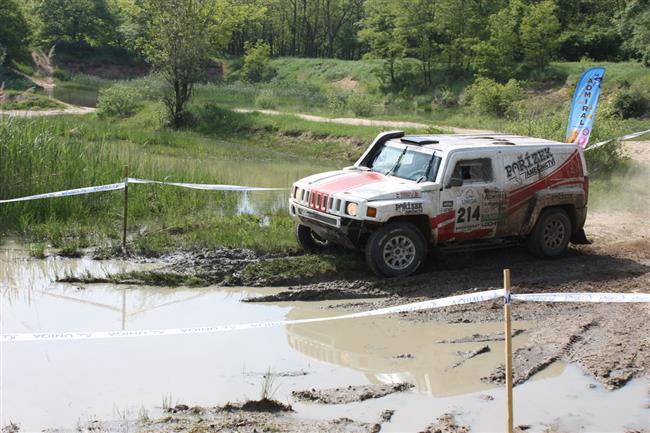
(126, 206)
(508, 339)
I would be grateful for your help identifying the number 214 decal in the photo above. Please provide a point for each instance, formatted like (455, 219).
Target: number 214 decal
(468, 214)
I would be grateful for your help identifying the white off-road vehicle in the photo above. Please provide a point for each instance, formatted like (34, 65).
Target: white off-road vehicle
(410, 194)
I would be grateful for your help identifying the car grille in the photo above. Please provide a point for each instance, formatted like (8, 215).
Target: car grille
(319, 201)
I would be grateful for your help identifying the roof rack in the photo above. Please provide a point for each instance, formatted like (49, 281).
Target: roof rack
(418, 140)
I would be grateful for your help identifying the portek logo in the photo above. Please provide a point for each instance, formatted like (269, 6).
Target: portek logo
(408, 207)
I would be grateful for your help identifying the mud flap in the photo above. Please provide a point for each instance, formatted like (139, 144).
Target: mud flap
(580, 238)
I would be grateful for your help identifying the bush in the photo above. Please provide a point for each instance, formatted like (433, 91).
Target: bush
(627, 104)
(445, 98)
(336, 101)
(266, 99)
(257, 67)
(361, 104)
(489, 97)
(117, 101)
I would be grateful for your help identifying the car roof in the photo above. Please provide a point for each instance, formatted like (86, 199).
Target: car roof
(448, 142)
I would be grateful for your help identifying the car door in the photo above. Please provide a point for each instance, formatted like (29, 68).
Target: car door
(472, 189)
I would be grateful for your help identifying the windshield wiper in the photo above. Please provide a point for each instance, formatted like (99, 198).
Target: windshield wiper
(399, 159)
(426, 173)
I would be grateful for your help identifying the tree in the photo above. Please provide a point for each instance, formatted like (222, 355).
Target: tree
(635, 27)
(418, 22)
(539, 33)
(381, 33)
(256, 63)
(90, 21)
(177, 42)
(14, 31)
(497, 57)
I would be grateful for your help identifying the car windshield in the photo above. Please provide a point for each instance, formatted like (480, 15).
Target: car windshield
(407, 163)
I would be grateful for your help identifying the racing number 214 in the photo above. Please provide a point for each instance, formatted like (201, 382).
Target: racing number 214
(465, 214)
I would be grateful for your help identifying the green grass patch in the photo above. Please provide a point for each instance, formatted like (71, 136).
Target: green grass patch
(287, 270)
(158, 278)
(37, 250)
(28, 100)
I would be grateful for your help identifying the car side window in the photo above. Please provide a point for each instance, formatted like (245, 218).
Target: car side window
(473, 170)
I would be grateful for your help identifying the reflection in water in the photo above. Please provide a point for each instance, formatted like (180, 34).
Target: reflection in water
(373, 346)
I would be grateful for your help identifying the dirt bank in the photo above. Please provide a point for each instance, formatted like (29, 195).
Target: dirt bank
(240, 418)
(69, 109)
(350, 394)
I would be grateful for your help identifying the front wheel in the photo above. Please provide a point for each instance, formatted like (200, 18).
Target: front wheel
(396, 249)
(310, 242)
(551, 235)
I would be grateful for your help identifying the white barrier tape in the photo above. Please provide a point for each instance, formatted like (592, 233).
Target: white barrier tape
(582, 297)
(69, 192)
(625, 137)
(204, 186)
(416, 306)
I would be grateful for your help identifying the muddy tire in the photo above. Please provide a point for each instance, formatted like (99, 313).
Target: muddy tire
(396, 249)
(310, 242)
(550, 237)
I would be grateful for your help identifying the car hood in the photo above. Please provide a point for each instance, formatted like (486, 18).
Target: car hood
(366, 185)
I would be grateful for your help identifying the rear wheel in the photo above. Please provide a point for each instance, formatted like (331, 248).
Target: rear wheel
(310, 241)
(396, 249)
(551, 235)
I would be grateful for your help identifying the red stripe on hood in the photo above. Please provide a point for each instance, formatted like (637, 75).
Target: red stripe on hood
(347, 181)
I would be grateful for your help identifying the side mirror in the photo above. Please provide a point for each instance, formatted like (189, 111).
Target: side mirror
(455, 181)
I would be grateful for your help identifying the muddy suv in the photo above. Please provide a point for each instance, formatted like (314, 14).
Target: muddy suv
(408, 195)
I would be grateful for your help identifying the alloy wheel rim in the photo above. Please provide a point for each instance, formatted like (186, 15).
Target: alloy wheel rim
(399, 252)
(554, 234)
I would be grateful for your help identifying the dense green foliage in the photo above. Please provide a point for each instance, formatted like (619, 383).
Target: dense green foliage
(489, 97)
(117, 101)
(14, 32)
(497, 38)
(91, 21)
(256, 67)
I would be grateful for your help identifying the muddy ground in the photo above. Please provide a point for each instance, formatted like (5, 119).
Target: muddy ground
(608, 341)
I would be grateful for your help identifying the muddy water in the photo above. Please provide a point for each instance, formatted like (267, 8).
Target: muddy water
(50, 384)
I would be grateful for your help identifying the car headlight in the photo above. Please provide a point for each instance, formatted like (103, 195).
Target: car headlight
(298, 195)
(351, 209)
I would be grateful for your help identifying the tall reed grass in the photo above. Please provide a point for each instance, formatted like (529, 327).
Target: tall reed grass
(51, 154)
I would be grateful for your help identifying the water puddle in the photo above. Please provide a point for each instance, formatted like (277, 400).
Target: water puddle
(77, 94)
(54, 384)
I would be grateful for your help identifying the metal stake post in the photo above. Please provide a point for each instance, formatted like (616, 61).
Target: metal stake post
(508, 339)
(126, 206)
